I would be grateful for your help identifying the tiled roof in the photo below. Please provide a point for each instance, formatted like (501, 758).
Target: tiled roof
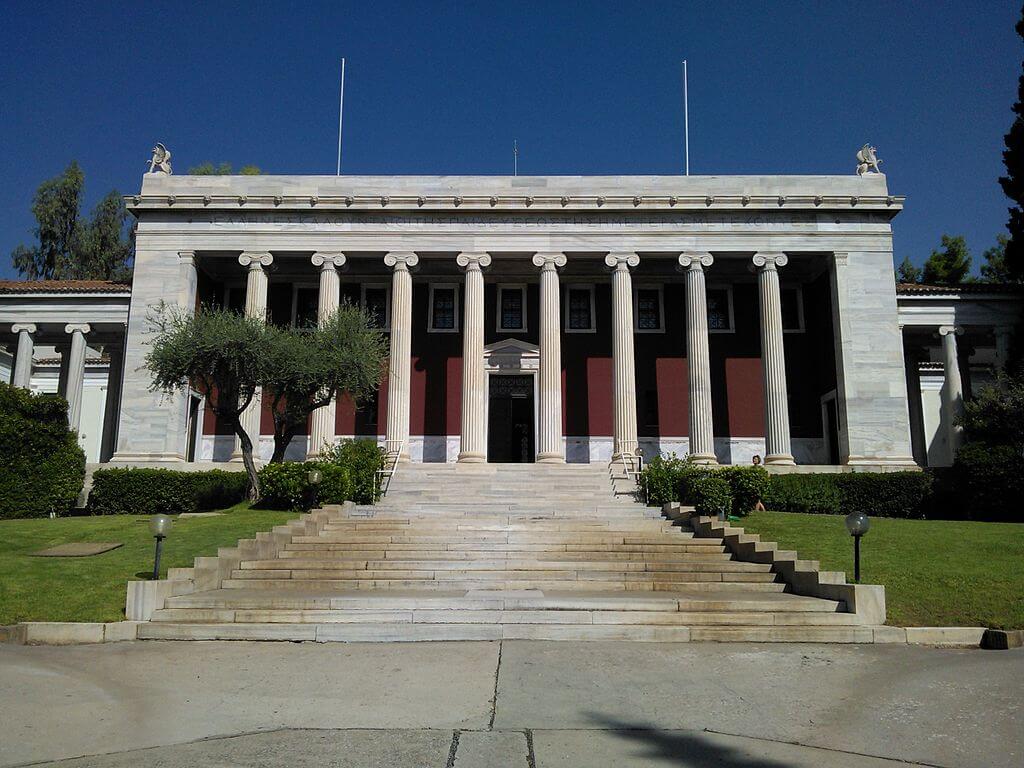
(917, 289)
(63, 286)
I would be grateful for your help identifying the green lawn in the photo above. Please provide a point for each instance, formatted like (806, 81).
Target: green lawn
(93, 588)
(935, 572)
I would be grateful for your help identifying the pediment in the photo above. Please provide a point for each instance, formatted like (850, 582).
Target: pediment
(512, 347)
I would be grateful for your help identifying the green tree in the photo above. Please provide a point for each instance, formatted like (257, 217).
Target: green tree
(306, 369)
(214, 351)
(950, 265)
(223, 169)
(995, 269)
(906, 272)
(68, 246)
(1013, 182)
(995, 415)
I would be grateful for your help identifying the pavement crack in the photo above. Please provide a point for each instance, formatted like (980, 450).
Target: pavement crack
(494, 699)
(531, 757)
(453, 749)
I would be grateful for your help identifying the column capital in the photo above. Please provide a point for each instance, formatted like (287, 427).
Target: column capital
(770, 260)
(946, 330)
(77, 327)
(621, 260)
(400, 260)
(255, 259)
(696, 260)
(187, 257)
(473, 261)
(26, 327)
(549, 260)
(328, 260)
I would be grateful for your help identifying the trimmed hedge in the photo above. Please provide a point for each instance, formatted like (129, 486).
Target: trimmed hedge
(711, 494)
(987, 483)
(880, 494)
(144, 491)
(42, 468)
(362, 458)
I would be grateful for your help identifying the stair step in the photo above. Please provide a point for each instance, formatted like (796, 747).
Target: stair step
(467, 584)
(501, 564)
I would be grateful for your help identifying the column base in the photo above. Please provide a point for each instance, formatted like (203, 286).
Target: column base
(779, 458)
(705, 459)
(550, 457)
(472, 457)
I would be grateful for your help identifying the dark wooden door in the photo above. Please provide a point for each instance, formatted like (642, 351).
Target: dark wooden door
(510, 436)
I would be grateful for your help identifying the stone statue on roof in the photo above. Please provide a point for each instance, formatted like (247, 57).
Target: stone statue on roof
(161, 160)
(867, 160)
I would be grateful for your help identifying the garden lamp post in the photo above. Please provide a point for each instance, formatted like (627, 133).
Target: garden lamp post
(857, 524)
(314, 477)
(159, 526)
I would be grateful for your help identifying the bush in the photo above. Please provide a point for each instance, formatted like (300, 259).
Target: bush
(749, 485)
(711, 494)
(815, 493)
(660, 477)
(41, 465)
(362, 458)
(143, 491)
(988, 482)
(287, 486)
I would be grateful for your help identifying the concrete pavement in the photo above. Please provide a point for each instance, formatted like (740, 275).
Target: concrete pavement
(517, 703)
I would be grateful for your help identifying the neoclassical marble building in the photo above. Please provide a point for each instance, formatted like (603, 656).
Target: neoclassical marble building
(555, 318)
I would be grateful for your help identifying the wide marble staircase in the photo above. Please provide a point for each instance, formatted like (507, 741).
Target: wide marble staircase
(480, 552)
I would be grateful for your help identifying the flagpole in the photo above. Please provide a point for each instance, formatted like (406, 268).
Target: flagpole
(341, 112)
(686, 118)
(515, 157)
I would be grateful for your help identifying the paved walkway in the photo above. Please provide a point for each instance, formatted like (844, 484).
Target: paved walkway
(523, 704)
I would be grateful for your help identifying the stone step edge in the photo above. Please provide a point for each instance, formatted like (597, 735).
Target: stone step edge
(803, 577)
(145, 597)
(82, 633)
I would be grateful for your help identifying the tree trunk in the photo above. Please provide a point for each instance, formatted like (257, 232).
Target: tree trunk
(247, 460)
(282, 439)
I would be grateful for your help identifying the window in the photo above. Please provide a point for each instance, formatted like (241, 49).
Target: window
(650, 409)
(579, 309)
(720, 316)
(648, 310)
(376, 301)
(444, 309)
(792, 300)
(305, 303)
(511, 308)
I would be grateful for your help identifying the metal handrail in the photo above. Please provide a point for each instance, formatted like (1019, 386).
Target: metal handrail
(632, 465)
(392, 452)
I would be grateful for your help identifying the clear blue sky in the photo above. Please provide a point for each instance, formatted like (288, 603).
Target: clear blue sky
(586, 87)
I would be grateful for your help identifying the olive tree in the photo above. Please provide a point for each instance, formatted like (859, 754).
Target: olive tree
(219, 353)
(305, 370)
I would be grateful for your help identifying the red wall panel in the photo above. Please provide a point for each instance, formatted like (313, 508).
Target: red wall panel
(673, 396)
(744, 385)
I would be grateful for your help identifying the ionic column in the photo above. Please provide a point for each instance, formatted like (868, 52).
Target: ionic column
(23, 359)
(776, 406)
(549, 442)
(76, 372)
(472, 447)
(698, 358)
(625, 441)
(953, 388)
(400, 361)
(321, 429)
(256, 307)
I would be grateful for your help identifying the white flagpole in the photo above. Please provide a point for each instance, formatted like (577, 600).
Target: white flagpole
(515, 157)
(686, 118)
(341, 112)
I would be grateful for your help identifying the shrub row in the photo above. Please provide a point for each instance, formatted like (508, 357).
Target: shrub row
(738, 489)
(710, 490)
(984, 483)
(41, 465)
(143, 491)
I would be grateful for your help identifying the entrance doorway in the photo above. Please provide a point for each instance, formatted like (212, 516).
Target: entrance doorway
(510, 436)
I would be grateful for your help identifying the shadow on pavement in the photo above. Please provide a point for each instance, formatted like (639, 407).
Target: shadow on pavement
(680, 748)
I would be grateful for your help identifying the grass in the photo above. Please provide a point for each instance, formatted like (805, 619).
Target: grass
(93, 588)
(935, 572)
